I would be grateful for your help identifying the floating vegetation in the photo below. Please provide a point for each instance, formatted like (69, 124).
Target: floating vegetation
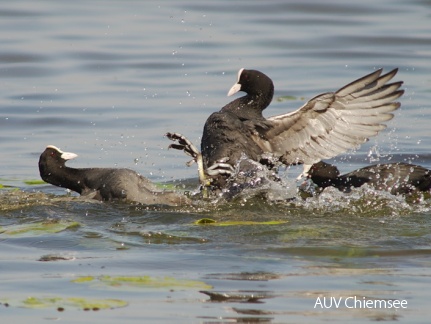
(61, 304)
(39, 228)
(34, 182)
(54, 257)
(142, 282)
(6, 187)
(240, 296)
(209, 221)
(18, 199)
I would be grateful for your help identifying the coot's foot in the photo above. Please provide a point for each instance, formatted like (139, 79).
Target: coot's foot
(220, 167)
(190, 149)
(184, 145)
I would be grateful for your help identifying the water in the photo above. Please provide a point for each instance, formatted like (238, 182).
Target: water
(107, 80)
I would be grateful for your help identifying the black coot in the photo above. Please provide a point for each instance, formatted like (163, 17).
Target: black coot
(103, 183)
(396, 178)
(325, 126)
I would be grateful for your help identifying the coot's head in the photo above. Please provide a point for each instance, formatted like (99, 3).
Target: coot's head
(253, 82)
(53, 159)
(323, 170)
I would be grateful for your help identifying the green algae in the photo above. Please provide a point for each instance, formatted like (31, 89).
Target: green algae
(142, 282)
(34, 182)
(38, 228)
(70, 302)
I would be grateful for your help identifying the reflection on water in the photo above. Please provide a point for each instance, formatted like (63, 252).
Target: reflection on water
(108, 81)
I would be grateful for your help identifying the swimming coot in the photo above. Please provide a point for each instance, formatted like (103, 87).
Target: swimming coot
(396, 178)
(103, 183)
(325, 126)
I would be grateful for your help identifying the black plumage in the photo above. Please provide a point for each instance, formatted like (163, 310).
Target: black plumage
(396, 178)
(325, 126)
(103, 183)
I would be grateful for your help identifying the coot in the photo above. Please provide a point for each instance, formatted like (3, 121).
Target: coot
(103, 183)
(396, 178)
(325, 126)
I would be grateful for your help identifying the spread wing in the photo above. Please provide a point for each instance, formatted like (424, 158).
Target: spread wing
(333, 122)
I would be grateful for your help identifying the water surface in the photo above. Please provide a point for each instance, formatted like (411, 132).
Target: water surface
(107, 81)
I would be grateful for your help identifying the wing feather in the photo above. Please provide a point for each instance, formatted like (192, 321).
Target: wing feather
(334, 122)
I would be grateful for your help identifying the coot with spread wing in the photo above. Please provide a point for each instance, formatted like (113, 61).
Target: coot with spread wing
(325, 126)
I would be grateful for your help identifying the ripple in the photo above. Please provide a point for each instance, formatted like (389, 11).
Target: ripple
(15, 13)
(27, 72)
(16, 57)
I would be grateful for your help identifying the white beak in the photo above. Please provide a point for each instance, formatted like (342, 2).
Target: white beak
(68, 155)
(235, 88)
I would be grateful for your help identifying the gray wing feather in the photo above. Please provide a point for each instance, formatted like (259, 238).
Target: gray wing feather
(333, 122)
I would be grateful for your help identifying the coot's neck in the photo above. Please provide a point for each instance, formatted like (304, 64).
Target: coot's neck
(63, 176)
(251, 105)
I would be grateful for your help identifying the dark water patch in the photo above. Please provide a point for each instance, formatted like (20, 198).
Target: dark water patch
(425, 3)
(248, 276)
(382, 41)
(313, 7)
(21, 13)
(13, 72)
(306, 50)
(349, 252)
(38, 97)
(351, 53)
(15, 57)
(338, 8)
(153, 237)
(306, 20)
